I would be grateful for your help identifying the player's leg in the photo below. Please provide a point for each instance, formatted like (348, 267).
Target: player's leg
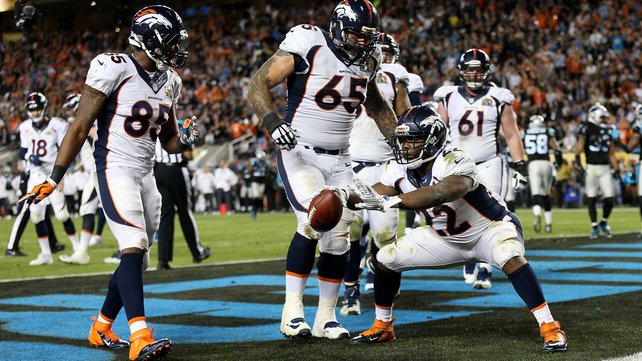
(164, 177)
(59, 205)
(608, 192)
(503, 246)
(547, 183)
(301, 179)
(96, 239)
(19, 224)
(592, 187)
(183, 201)
(38, 218)
(421, 248)
(88, 205)
(535, 183)
(351, 296)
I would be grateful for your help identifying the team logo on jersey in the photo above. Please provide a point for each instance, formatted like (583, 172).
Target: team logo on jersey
(346, 10)
(487, 102)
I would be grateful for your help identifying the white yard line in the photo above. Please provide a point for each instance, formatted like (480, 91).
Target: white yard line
(634, 357)
(148, 270)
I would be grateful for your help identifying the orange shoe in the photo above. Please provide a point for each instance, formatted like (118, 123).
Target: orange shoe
(379, 332)
(145, 348)
(554, 338)
(101, 335)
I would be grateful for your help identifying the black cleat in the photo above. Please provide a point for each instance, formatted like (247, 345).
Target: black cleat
(58, 247)
(163, 265)
(155, 350)
(14, 253)
(204, 255)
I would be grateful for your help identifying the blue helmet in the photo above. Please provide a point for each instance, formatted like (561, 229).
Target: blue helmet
(72, 101)
(420, 136)
(474, 68)
(37, 102)
(357, 17)
(159, 31)
(390, 45)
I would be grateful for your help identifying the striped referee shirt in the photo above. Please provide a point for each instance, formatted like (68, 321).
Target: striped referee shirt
(163, 157)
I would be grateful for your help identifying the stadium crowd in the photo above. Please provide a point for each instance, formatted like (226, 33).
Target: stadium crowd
(557, 58)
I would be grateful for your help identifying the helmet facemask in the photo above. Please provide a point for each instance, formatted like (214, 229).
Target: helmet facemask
(413, 148)
(475, 77)
(353, 51)
(37, 108)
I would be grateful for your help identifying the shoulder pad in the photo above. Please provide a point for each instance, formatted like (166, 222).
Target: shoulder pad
(106, 71)
(301, 38)
(502, 94)
(399, 71)
(443, 91)
(455, 161)
(416, 83)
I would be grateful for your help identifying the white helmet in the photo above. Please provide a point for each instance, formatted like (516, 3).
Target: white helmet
(536, 121)
(638, 112)
(597, 114)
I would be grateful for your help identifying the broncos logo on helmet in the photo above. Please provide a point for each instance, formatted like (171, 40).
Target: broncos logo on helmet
(37, 104)
(420, 136)
(159, 31)
(358, 17)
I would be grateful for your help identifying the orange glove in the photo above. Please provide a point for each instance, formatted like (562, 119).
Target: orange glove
(39, 192)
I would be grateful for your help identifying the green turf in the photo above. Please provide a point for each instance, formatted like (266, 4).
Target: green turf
(238, 237)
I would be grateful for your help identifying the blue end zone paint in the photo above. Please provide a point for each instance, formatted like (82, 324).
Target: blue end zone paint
(614, 245)
(73, 322)
(11, 350)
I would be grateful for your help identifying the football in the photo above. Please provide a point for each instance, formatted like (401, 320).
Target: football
(325, 211)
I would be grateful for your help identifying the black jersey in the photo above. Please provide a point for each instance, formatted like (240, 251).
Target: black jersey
(536, 142)
(598, 143)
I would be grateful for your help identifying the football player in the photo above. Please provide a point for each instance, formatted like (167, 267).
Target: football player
(329, 77)
(89, 197)
(538, 141)
(370, 150)
(467, 222)
(475, 111)
(634, 143)
(133, 99)
(40, 138)
(594, 139)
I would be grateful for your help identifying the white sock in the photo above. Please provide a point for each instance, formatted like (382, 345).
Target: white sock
(537, 210)
(137, 325)
(74, 241)
(328, 289)
(383, 313)
(326, 310)
(548, 216)
(295, 283)
(542, 314)
(44, 245)
(102, 319)
(84, 241)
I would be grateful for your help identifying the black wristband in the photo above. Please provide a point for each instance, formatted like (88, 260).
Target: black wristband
(520, 167)
(271, 122)
(57, 173)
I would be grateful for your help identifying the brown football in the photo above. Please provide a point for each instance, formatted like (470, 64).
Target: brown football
(325, 211)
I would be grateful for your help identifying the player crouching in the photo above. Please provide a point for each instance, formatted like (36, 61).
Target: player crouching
(466, 223)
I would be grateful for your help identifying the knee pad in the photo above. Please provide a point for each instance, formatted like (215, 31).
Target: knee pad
(356, 227)
(387, 254)
(506, 249)
(337, 240)
(37, 214)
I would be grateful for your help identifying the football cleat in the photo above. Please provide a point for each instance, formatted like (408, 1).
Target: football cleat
(352, 302)
(538, 224)
(42, 259)
(594, 233)
(470, 273)
(293, 323)
(114, 259)
(78, 257)
(380, 331)
(105, 337)
(549, 228)
(203, 255)
(331, 330)
(370, 275)
(14, 253)
(555, 339)
(145, 348)
(95, 240)
(58, 247)
(483, 280)
(606, 229)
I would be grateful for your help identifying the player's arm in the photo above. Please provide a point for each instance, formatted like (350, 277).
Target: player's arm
(449, 189)
(511, 133)
(91, 102)
(633, 143)
(377, 107)
(385, 190)
(402, 99)
(175, 140)
(441, 109)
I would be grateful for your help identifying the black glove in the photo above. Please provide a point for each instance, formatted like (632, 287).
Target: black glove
(520, 167)
(558, 159)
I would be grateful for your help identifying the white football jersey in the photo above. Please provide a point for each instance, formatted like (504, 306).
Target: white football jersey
(87, 155)
(367, 143)
(43, 143)
(137, 106)
(324, 93)
(474, 120)
(464, 219)
(415, 83)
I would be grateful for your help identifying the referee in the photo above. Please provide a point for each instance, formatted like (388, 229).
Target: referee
(173, 182)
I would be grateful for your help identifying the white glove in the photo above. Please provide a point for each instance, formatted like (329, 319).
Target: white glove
(372, 200)
(282, 133)
(188, 133)
(284, 137)
(519, 182)
(342, 193)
